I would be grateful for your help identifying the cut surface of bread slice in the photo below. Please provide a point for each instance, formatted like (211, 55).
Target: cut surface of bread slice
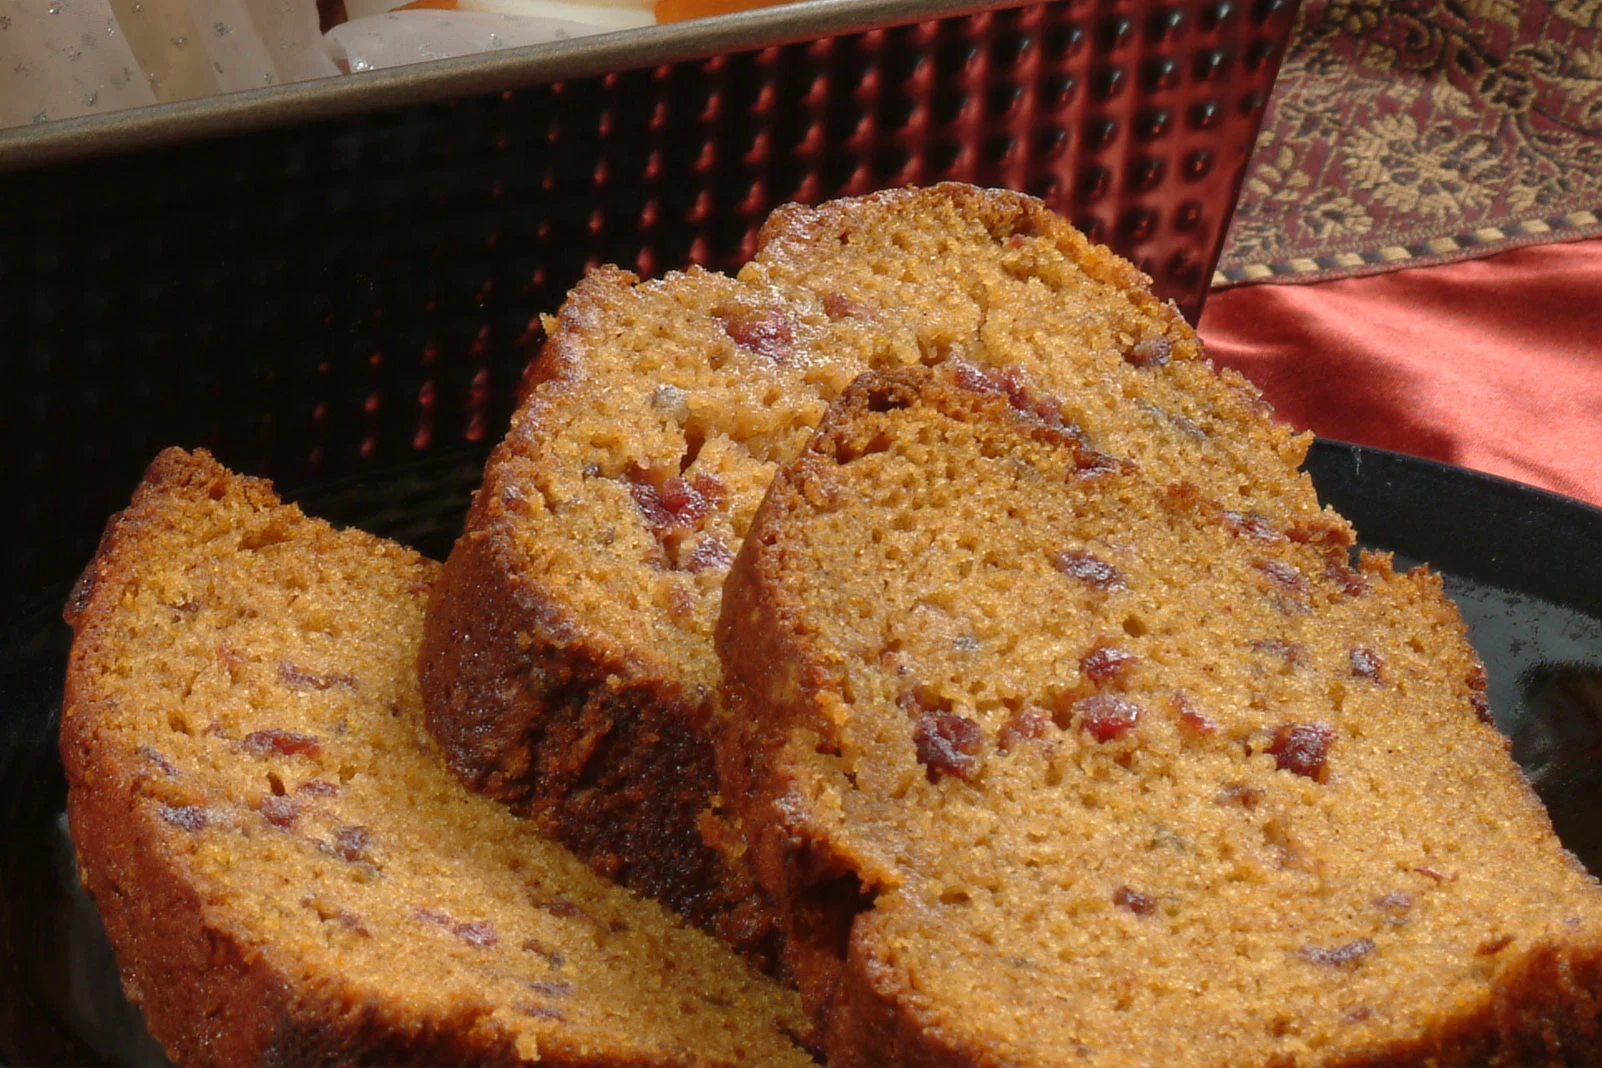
(1052, 762)
(285, 867)
(567, 663)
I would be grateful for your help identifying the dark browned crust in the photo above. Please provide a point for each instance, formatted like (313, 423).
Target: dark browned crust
(541, 712)
(1548, 1009)
(611, 771)
(207, 996)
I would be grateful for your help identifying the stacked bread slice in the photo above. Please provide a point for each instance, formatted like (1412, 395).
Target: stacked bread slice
(567, 664)
(1054, 763)
(288, 872)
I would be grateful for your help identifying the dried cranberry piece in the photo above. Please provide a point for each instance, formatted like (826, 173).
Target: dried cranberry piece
(560, 906)
(840, 306)
(1482, 709)
(1135, 901)
(279, 811)
(1092, 571)
(710, 552)
(1350, 582)
(480, 933)
(1021, 394)
(1476, 677)
(764, 333)
(1344, 956)
(1368, 664)
(155, 757)
(678, 503)
(282, 742)
(1283, 576)
(948, 744)
(551, 988)
(1108, 662)
(191, 818)
(1106, 717)
(1302, 748)
(974, 378)
(543, 1012)
(1394, 904)
(318, 788)
(298, 678)
(351, 843)
(1090, 464)
(1254, 527)
(1190, 716)
(1437, 876)
(1152, 352)
(1025, 726)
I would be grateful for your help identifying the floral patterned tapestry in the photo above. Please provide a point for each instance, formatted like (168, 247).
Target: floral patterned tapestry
(1421, 131)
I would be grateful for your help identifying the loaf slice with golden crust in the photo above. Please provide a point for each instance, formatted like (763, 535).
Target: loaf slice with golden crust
(567, 662)
(1054, 762)
(286, 869)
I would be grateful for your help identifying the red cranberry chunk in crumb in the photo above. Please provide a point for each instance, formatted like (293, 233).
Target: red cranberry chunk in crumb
(279, 811)
(1021, 394)
(480, 933)
(840, 306)
(1105, 717)
(1351, 583)
(1107, 663)
(948, 744)
(1303, 748)
(678, 504)
(1191, 718)
(1024, 727)
(1284, 577)
(351, 842)
(1250, 526)
(709, 554)
(1345, 956)
(764, 333)
(1152, 352)
(1368, 664)
(1090, 464)
(1094, 572)
(1482, 709)
(1135, 901)
(282, 742)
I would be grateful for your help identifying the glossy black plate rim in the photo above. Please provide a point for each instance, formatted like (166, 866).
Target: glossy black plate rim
(1483, 527)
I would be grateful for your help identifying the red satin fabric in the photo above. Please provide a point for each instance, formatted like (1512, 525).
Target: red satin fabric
(1494, 364)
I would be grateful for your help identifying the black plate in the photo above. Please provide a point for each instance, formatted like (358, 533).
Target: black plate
(1524, 566)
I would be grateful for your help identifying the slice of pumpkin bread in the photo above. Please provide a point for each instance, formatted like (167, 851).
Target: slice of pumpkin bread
(1053, 760)
(286, 869)
(567, 661)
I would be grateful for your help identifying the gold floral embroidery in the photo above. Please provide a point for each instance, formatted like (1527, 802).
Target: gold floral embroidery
(1423, 130)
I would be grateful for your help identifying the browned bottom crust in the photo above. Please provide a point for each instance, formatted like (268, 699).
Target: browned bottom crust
(612, 772)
